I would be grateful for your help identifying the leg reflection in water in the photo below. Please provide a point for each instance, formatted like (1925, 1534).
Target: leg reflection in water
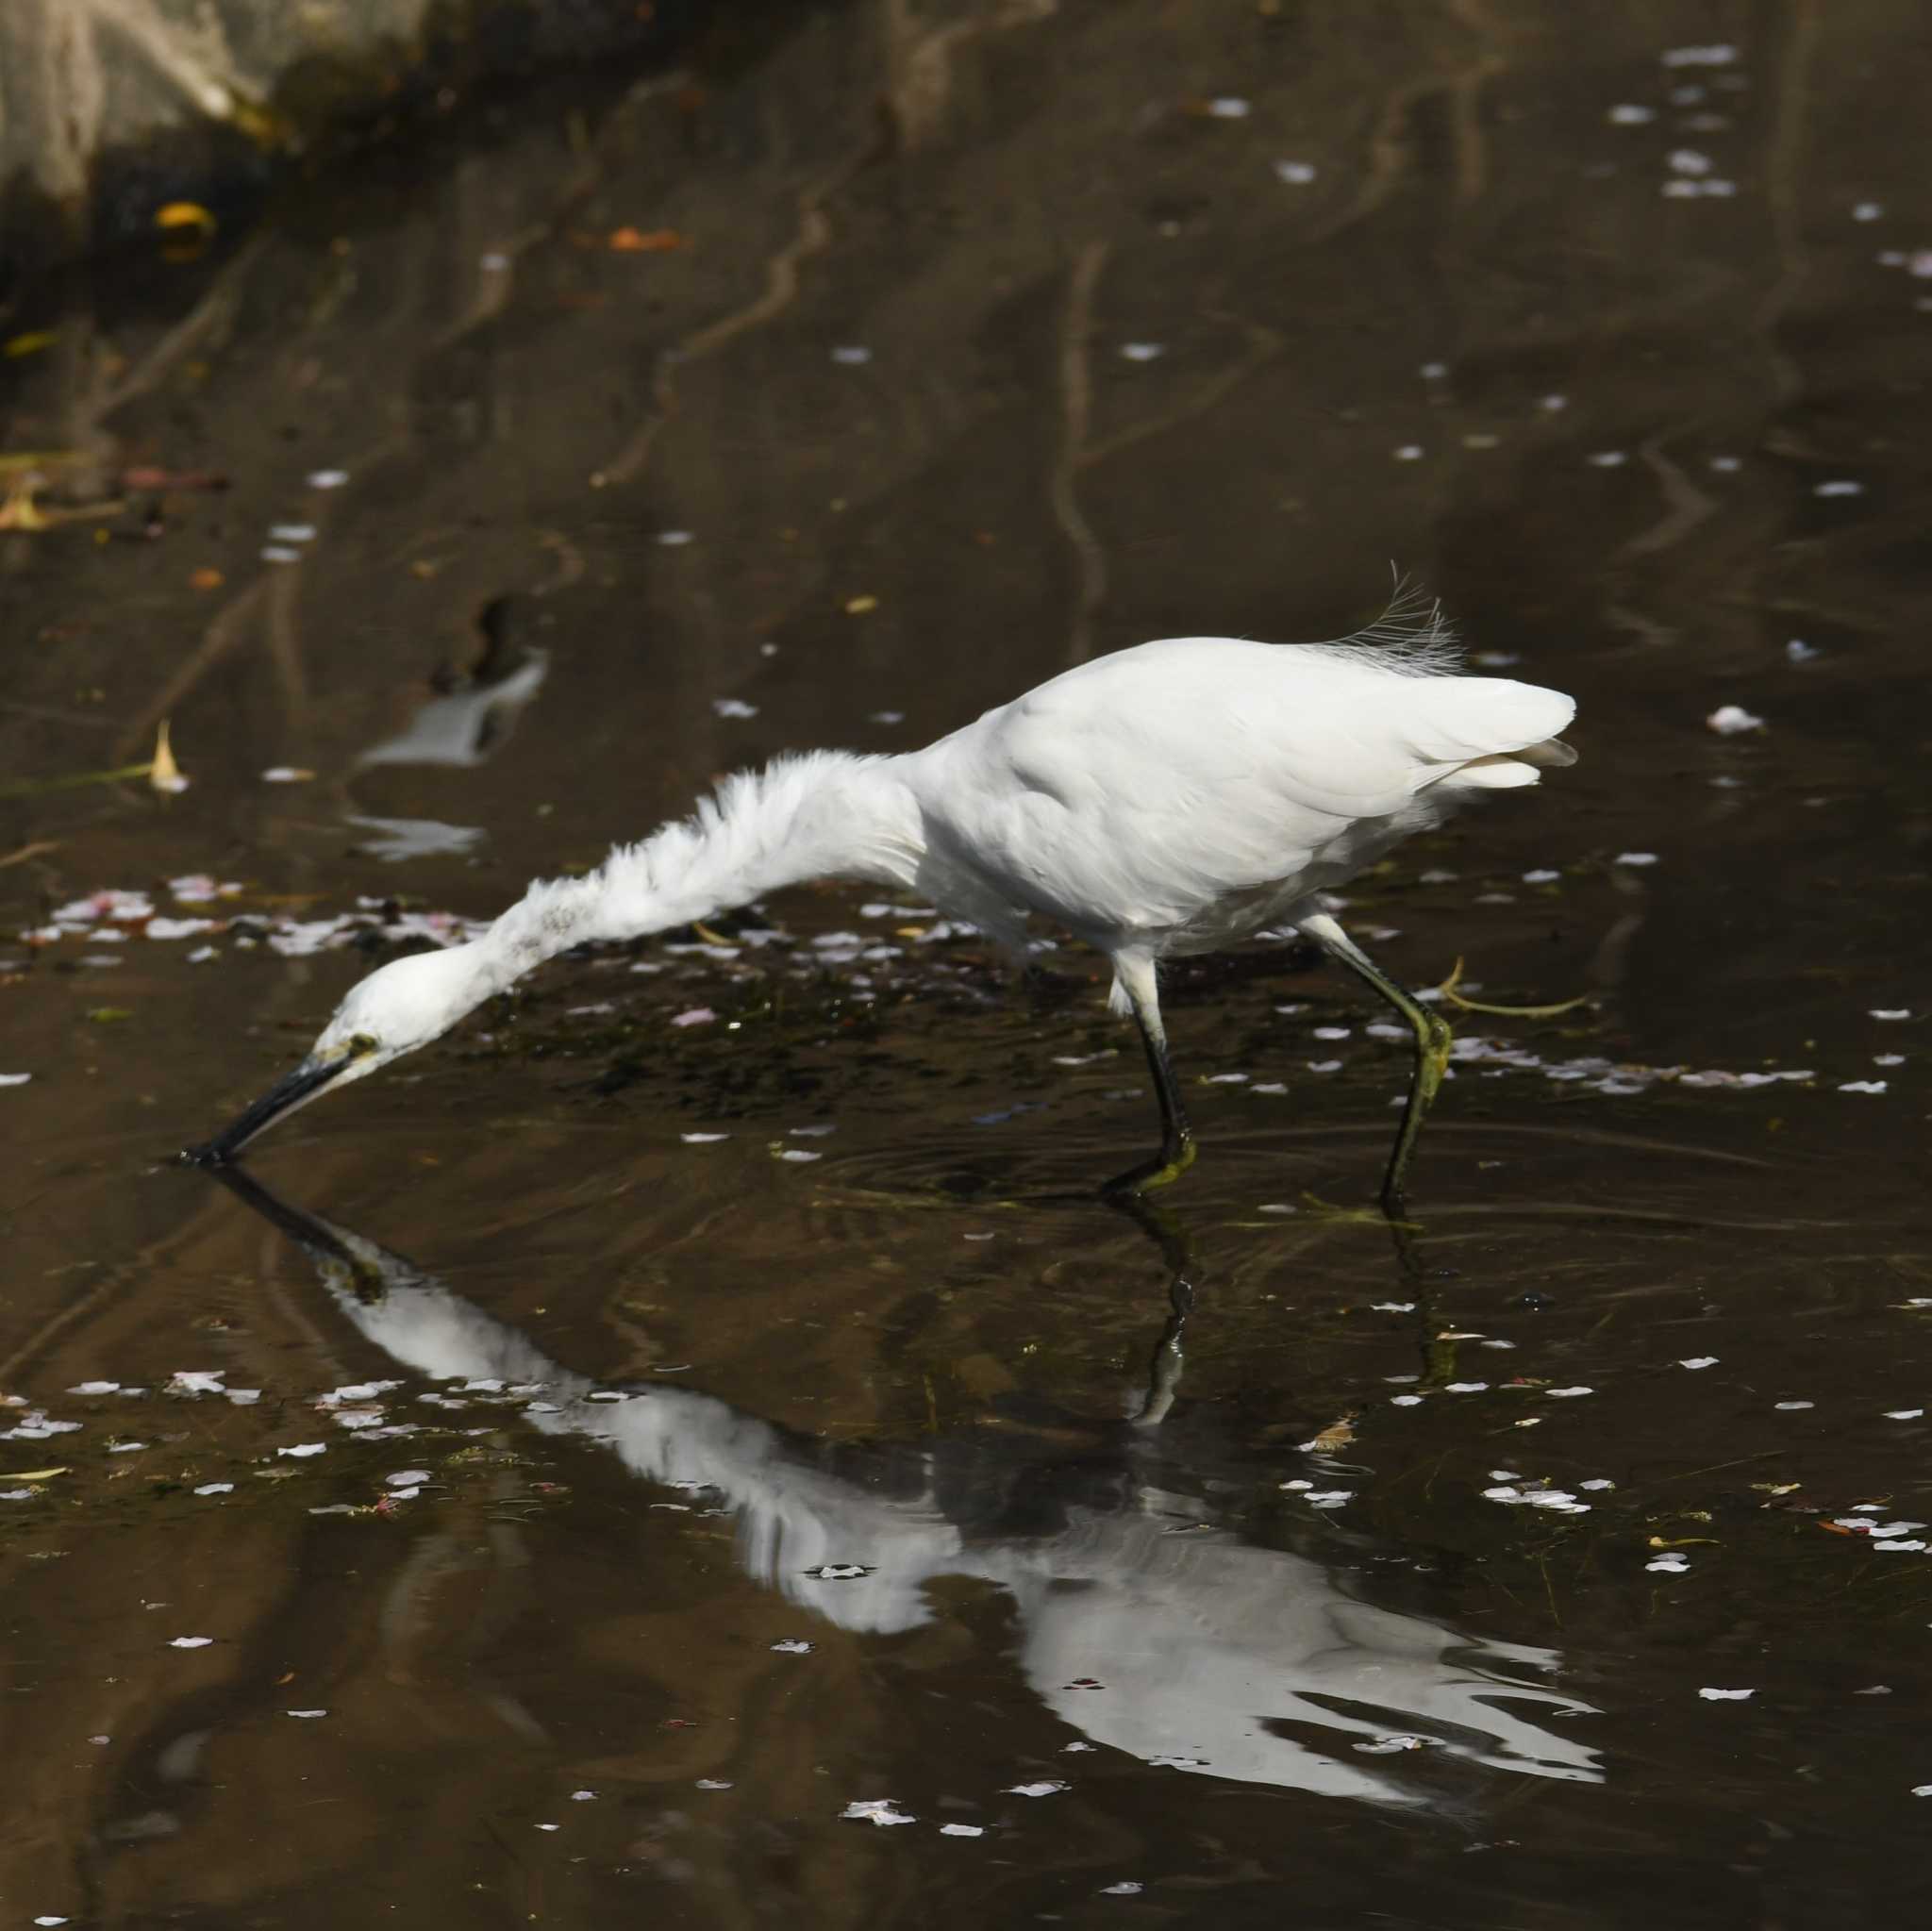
(1219, 1657)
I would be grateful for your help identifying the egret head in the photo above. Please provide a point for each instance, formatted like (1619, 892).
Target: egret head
(398, 1008)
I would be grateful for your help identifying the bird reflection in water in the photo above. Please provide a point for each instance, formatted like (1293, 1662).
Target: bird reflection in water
(1221, 1657)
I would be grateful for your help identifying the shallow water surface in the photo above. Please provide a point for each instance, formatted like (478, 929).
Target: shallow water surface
(694, 1444)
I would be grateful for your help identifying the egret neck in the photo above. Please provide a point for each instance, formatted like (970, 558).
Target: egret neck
(822, 812)
(819, 814)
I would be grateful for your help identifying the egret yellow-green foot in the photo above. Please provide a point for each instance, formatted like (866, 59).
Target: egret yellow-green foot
(1433, 1040)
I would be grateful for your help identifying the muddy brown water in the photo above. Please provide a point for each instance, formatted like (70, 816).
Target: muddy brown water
(787, 1426)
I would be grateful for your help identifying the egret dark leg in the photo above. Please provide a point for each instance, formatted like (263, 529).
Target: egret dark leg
(1177, 1148)
(1432, 1042)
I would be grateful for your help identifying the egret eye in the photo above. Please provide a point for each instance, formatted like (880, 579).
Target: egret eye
(361, 1045)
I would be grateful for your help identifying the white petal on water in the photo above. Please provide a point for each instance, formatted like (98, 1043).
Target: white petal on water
(1466, 1387)
(1607, 459)
(301, 1451)
(793, 1646)
(1670, 1565)
(583, 1796)
(1728, 720)
(1228, 107)
(1629, 115)
(190, 1641)
(1861, 1086)
(1564, 1393)
(1404, 1400)
(1408, 452)
(721, 1783)
(1636, 857)
(851, 355)
(305, 1713)
(1903, 1414)
(702, 1139)
(962, 1830)
(1792, 1405)
(1045, 1786)
(1699, 1361)
(216, 1488)
(1890, 1012)
(1143, 350)
(327, 479)
(1727, 1695)
(1844, 486)
(96, 1388)
(1718, 56)
(1296, 175)
(1597, 1482)
(408, 1478)
(879, 1810)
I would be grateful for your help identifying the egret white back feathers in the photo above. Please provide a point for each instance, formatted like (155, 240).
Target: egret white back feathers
(1167, 799)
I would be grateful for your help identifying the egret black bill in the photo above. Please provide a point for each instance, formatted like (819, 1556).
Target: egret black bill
(296, 1089)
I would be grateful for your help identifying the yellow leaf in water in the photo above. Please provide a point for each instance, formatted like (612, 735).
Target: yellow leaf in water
(207, 577)
(1337, 1435)
(164, 775)
(34, 1475)
(185, 214)
(858, 607)
(31, 344)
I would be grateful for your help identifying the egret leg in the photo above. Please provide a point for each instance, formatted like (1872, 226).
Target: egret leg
(1432, 1042)
(1177, 1148)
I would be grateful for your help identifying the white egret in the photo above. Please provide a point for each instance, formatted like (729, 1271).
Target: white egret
(1170, 798)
